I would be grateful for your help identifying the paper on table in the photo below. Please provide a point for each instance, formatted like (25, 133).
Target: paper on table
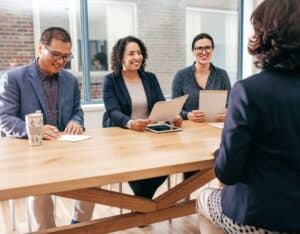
(167, 110)
(217, 124)
(212, 102)
(73, 138)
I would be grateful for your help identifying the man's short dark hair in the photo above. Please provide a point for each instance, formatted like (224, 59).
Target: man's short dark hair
(276, 40)
(55, 33)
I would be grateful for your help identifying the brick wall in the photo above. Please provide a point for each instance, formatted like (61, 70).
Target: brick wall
(164, 38)
(16, 36)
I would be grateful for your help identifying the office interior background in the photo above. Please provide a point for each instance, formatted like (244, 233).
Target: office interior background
(167, 28)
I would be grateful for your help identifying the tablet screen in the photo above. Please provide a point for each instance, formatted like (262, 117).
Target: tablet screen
(159, 127)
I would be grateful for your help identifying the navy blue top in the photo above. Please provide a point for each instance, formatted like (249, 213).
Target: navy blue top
(117, 100)
(185, 83)
(259, 157)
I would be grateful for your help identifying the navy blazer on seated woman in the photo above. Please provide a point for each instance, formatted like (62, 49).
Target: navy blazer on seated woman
(117, 100)
(259, 157)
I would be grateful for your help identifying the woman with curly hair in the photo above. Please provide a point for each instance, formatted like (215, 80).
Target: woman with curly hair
(259, 156)
(129, 93)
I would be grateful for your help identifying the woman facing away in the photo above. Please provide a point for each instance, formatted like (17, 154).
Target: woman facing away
(129, 94)
(202, 75)
(259, 157)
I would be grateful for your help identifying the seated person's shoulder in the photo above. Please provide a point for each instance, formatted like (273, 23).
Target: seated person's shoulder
(18, 70)
(17, 73)
(68, 74)
(108, 77)
(149, 75)
(184, 72)
(220, 71)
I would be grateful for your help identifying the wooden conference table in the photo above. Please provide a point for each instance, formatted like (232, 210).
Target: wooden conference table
(113, 155)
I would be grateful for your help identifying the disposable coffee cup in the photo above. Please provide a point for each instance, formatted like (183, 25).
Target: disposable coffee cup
(34, 128)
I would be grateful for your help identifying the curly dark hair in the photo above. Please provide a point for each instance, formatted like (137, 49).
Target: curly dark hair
(118, 53)
(276, 40)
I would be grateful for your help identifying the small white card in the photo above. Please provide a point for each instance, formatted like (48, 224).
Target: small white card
(73, 138)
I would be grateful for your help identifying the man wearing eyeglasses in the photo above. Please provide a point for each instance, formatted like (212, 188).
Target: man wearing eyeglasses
(43, 85)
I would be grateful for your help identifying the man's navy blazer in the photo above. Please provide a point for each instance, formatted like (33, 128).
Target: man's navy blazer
(259, 157)
(21, 93)
(117, 100)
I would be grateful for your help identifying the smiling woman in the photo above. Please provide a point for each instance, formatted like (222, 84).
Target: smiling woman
(202, 75)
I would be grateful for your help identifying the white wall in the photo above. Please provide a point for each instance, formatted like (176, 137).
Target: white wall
(93, 114)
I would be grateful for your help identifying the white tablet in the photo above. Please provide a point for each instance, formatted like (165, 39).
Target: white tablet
(162, 127)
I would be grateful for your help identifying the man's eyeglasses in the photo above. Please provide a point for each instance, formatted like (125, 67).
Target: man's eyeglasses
(207, 49)
(57, 56)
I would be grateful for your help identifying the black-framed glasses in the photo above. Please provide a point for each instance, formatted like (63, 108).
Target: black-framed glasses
(57, 56)
(207, 49)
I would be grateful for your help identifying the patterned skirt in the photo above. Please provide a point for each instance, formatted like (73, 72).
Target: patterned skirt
(228, 225)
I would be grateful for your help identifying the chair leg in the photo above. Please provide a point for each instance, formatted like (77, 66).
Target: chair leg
(169, 187)
(12, 214)
(55, 206)
(29, 221)
(121, 190)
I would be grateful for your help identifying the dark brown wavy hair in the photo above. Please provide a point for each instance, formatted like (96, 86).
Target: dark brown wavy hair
(118, 53)
(203, 36)
(276, 40)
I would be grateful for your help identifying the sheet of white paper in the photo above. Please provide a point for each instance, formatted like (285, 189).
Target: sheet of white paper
(167, 110)
(212, 102)
(217, 125)
(73, 138)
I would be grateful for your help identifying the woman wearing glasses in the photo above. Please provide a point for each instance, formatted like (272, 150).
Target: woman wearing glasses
(202, 75)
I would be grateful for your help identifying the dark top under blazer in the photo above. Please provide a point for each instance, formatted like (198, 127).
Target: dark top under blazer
(185, 83)
(117, 100)
(259, 157)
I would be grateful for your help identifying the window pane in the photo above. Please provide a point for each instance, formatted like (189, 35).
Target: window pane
(108, 21)
(61, 13)
(166, 27)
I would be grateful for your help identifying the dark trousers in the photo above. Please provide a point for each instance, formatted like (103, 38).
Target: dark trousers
(146, 188)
